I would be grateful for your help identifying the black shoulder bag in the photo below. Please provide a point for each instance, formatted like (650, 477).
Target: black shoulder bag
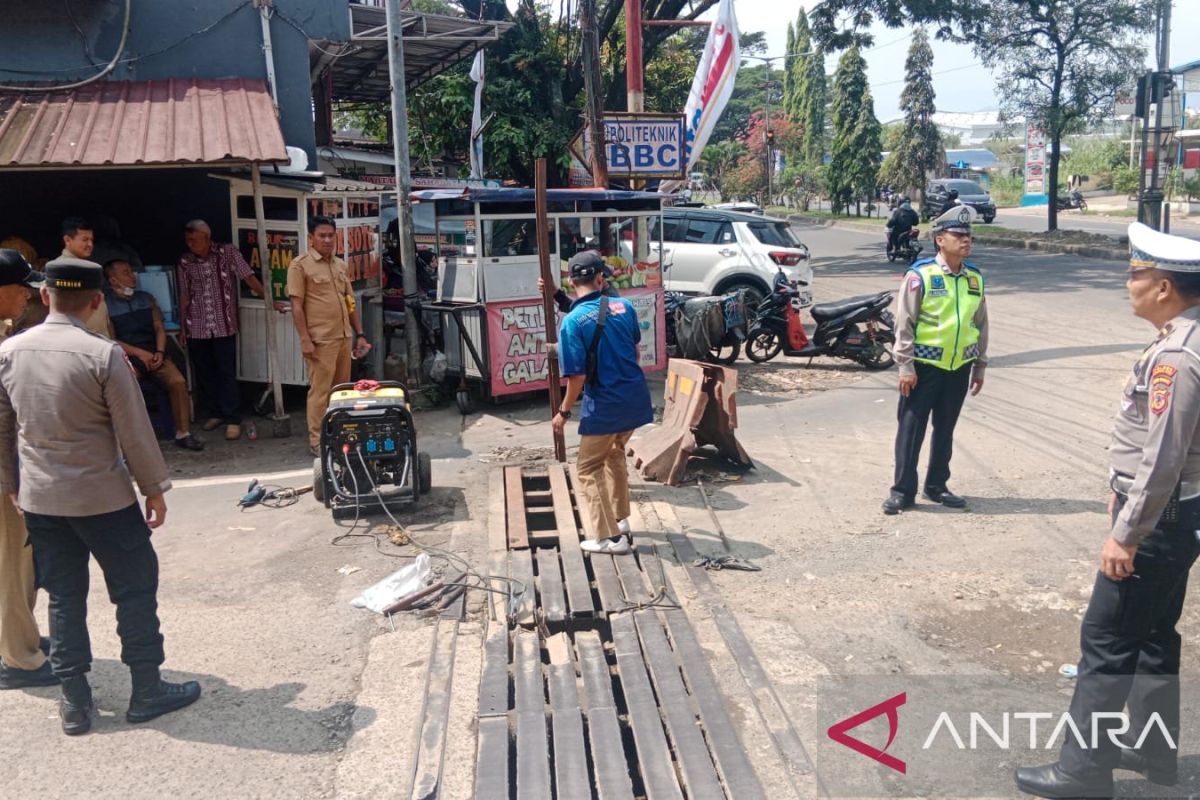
(593, 366)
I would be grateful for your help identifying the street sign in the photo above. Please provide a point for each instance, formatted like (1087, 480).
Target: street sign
(638, 145)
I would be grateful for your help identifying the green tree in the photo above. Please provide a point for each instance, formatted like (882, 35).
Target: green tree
(719, 162)
(854, 162)
(1061, 63)
(789, 79)
(811, 92)
(919, 148)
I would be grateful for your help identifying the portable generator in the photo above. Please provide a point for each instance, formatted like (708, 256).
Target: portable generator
(368, 450)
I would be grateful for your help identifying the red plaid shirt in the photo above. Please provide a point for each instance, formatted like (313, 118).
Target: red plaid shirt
(211, 285)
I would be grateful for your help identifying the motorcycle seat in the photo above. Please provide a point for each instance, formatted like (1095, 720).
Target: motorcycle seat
(824, 311)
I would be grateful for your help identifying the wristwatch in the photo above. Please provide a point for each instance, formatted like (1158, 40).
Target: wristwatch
(565, 414)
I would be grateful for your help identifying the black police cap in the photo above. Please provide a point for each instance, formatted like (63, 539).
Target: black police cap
(14, 269)
(74, 273)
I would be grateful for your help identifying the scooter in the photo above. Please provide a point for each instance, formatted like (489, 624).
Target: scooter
(860, 329)
(908, 247)
(705, 328)
(1071, 201)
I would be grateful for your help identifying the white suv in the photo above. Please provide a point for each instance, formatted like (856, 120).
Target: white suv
(709, 251)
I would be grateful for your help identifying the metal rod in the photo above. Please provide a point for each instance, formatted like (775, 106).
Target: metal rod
(543, 243)
(264, 13)
(634, 76)
(408, 248)
(264, 259)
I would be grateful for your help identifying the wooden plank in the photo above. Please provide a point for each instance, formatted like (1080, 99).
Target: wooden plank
(533, 763)
(733, 763)
(550, 586)
(653, 754)
(767, 703)
(491, 763)
(604, 731)
(514, 503)
(537, 498)
(493, 679)
(699, 773)
(427, 772)
(607, 583)
(575, 577)
(497, 526)
(570, 753)
(520, 568)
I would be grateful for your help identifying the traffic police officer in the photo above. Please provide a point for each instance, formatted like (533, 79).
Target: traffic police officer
(73, 427)
(941, 349)
(1130, 648)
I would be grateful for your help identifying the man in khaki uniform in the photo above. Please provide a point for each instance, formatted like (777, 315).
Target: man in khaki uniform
(79, 240)
(22, 659)
(326, 318)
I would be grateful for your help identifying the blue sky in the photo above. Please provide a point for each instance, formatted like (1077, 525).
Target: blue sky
(961, 84)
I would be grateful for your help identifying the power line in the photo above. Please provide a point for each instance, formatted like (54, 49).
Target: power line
(939, 72)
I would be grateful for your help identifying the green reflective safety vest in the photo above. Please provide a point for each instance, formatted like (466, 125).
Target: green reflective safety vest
(946, 335)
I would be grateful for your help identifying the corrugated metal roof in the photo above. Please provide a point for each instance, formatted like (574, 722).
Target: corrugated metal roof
(128, 123)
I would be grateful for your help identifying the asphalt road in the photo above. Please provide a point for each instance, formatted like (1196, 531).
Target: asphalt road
(1034, 219)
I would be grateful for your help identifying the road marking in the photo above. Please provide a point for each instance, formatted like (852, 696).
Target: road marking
(195, 483)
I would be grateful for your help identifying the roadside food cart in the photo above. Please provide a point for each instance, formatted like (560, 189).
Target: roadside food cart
(488, 306)
(288, 202)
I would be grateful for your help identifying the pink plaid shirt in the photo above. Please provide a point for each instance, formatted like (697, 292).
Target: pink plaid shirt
(211, 285)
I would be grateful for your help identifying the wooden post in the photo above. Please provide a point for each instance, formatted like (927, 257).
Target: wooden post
(280, 422)
(548, 309)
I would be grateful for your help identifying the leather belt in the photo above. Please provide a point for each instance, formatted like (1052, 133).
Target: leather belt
(1122, 484)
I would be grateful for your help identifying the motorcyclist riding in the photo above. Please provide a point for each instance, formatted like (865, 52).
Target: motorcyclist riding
(901, 222)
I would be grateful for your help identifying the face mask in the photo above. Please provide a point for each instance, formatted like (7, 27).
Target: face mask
(126, 291)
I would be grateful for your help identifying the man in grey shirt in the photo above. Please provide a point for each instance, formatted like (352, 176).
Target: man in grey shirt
(71, 418)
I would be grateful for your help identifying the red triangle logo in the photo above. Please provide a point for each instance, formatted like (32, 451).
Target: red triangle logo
(837, 732)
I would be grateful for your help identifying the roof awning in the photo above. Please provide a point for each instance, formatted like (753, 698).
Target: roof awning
(140, 124)
(432, 44)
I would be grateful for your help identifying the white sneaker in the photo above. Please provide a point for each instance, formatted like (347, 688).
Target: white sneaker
(623, 526)
(612, 547)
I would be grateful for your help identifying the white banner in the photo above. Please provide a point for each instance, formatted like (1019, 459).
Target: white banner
(477, 74)
(713, 83)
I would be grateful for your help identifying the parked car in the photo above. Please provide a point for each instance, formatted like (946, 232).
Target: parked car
(970, 193)
(710, 251)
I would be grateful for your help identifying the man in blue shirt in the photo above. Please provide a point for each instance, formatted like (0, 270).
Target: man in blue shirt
(598, 351)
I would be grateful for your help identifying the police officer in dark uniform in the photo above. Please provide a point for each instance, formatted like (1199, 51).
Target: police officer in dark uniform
(1130, 648)
(73, 431)
(941, 351)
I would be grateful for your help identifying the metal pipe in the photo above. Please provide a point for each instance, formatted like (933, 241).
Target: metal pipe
(264, 13)
(634, 75)
(408, 249)
(264, 258)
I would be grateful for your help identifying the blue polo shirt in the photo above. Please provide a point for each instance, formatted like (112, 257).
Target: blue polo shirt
(620, 400)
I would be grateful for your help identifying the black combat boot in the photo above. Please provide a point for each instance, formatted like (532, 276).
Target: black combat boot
(152, 696)
(75, 706)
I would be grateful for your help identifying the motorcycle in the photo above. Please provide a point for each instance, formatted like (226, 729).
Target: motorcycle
(908, 247)
(1072, 201)
(705, 328)
(860, 329)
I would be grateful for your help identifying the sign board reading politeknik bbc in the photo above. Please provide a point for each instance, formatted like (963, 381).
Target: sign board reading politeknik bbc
(638, 145)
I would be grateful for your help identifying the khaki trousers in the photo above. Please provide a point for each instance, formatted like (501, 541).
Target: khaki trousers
(603, 483)
(329, 366)
(170, 378)
(18, 629)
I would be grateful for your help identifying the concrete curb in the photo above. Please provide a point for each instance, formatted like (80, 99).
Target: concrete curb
(1015, 242)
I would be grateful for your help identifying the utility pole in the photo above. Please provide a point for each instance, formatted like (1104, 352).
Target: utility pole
(591, 88)
(767, 140)
(408, 248)
(543, 239)
(1158, 85)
